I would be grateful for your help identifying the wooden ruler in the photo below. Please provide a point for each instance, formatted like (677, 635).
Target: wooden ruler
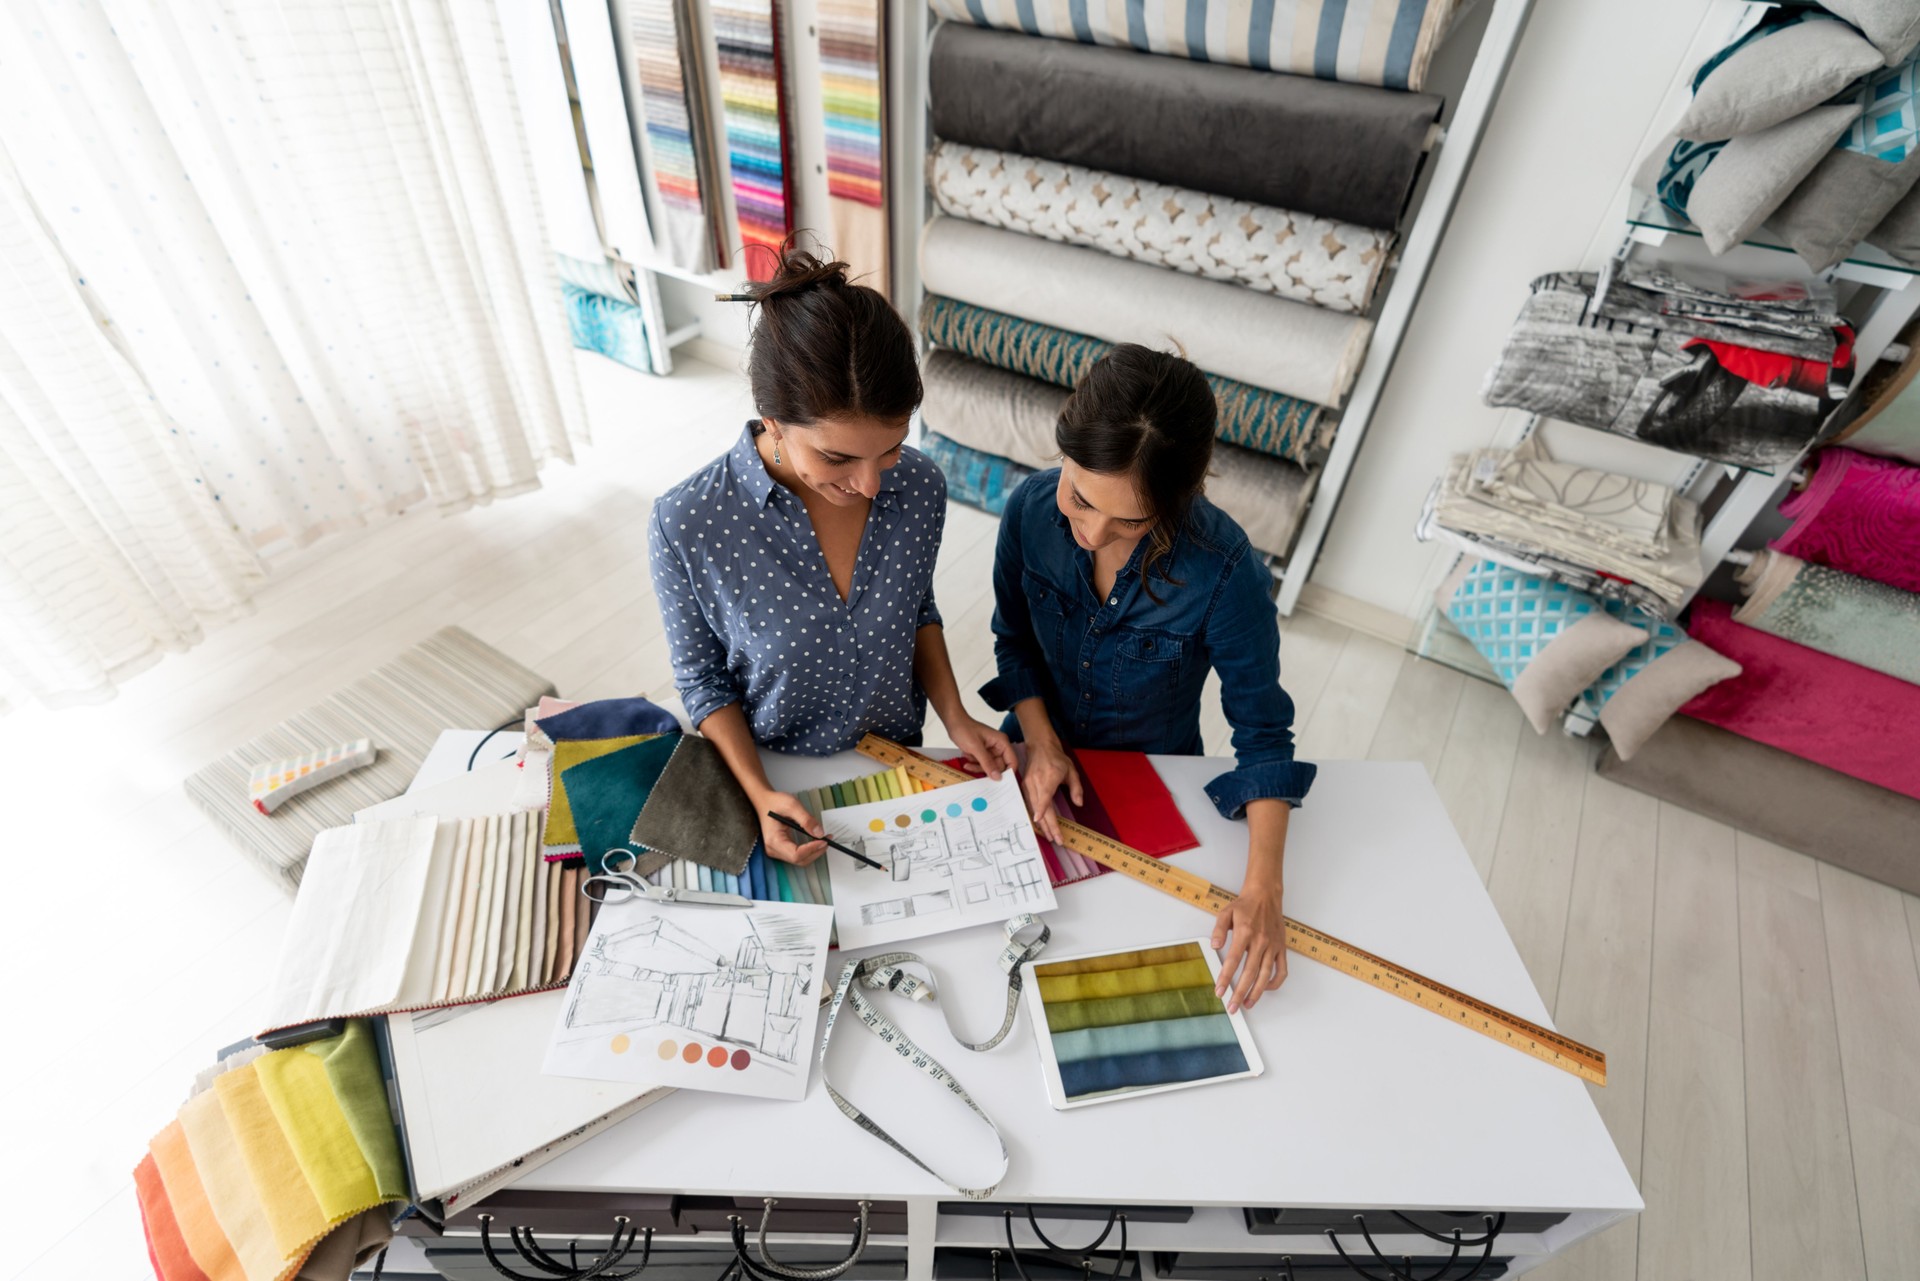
(1562, 1052)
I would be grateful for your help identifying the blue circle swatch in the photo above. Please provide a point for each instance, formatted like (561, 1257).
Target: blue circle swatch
(953, 811)
(979, 804)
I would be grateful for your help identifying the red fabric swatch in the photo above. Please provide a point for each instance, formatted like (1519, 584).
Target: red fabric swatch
(165, 1246)
(1128, 801)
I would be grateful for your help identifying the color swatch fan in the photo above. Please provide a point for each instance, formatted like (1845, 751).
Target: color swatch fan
(1142, 1021)
(273, 783)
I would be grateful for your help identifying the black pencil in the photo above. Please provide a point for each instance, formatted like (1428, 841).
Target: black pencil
(835, 845)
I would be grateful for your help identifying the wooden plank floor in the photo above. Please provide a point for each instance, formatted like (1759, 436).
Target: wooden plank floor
(1761, 1012)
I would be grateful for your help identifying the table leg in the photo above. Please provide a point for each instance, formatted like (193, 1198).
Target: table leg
(922, 1214)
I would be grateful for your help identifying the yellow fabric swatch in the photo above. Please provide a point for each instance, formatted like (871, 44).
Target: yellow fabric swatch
(1121, 961)
(567, 754)
(206, 1239)
(301, 1095)
(353, 1068)
(1135, 982)
(229, 1187)
(292, 1210)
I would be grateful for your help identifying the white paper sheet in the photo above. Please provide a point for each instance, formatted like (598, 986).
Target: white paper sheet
(953, 857)
(447, 758)
(702, 998)
(490, 789)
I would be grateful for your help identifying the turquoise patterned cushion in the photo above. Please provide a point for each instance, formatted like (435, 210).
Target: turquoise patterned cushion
(1662, 636)
(1510, 615)
(1887, 128)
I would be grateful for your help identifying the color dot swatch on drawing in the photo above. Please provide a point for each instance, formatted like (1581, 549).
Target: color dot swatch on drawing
(1134, 1020)
(980, 804)
(694, 1053)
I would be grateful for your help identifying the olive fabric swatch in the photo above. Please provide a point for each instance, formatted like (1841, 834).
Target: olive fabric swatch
(607, 794)
(697, 811)
(1141, 980)
(1180, 1003)
(1171, 955)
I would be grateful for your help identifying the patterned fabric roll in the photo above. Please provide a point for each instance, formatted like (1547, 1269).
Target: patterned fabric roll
(1857, 619)
(1389, 42)
(1330, 264)
(747, 33)
(673, 136)
(974, 478)
(1249, 416)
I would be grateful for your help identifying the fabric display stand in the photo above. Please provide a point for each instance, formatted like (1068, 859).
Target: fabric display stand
(681, 175)
(1208, 178)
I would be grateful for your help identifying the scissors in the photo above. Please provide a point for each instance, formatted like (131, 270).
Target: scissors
(618, 883)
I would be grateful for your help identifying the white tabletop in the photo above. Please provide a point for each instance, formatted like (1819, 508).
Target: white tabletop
(1366, 1100)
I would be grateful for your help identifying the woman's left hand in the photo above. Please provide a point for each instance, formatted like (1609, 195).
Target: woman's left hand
(984, 745)
(1256, 961)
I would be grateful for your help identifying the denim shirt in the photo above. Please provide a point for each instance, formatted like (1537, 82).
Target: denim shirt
(752, 616)
(1126, 672)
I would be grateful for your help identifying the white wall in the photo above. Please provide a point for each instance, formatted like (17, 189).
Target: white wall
(1546, 192)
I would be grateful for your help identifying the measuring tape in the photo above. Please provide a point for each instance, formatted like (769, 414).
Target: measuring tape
(885, 973)
(1562, 1052)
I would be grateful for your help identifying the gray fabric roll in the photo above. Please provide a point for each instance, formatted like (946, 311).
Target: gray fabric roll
(1779, 797)
(1012, 416)
(1341, 151)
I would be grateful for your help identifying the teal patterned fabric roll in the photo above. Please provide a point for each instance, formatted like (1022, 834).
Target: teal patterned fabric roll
(615, 328)
(1250, 417)
(976, 479)
(1853, 618)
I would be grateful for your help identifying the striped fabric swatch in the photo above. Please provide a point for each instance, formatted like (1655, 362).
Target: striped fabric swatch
(1375, 42)
(1132, 1020)
(854, 84)
(748, 35)
(1251, 417)
(259, 1168)
(680, 224)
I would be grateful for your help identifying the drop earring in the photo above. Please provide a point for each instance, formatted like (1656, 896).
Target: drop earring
(776, 451)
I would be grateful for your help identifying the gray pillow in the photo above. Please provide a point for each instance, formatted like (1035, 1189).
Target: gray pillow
(1892, 25)
(1899, 232)
(1840, 203)
(1776, 77)
(1755, 172)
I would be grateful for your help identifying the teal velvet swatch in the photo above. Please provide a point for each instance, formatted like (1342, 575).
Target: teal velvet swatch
(607, 793)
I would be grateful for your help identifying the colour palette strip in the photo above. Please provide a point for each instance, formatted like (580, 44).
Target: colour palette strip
(1143, 1019)
(748, 35)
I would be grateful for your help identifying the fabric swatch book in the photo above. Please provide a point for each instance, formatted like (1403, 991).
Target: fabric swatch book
(472, 1106)
(421, 911)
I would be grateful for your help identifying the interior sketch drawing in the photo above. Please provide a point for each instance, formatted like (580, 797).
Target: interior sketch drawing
(667, 992)
(950, 858)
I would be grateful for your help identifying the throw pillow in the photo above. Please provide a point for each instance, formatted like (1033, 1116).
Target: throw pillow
(1546, 641)
(1892, 25)
(1856, 185)
(1775, 73)
(1636, 696)
(1752, 174)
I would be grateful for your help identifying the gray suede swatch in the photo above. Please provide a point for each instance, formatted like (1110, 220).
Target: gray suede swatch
(698, 812)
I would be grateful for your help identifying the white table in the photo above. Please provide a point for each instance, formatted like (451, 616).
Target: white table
(1367, 1102)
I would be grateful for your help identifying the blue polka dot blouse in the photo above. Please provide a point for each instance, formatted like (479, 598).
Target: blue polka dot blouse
(753, 618)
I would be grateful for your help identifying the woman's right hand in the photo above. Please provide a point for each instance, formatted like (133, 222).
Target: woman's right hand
(781, 841)
(1049, 768)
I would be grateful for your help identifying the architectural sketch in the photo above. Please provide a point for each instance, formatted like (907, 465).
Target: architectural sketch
(958, 856)
(700, 997)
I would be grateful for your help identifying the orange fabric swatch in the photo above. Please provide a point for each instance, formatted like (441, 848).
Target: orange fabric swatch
(172, 1261)
(223, 1173)
(206, 1240)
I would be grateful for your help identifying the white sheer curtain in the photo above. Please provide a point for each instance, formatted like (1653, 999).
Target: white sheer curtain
(311, 231)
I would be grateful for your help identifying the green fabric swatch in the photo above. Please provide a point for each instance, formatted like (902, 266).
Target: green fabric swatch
(353, 1069)
(1134, 982)
(607, 794)
(1181, 1003)
(1143, 1038)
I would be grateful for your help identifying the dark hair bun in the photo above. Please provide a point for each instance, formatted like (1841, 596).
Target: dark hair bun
(824, 346)
(799, 271)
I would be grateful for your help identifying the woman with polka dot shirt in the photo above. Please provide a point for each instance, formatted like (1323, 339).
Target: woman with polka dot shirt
(795, 572)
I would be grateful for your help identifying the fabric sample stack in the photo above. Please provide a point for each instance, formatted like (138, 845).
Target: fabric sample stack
(748, 35)
(282, 1165)
(683, 168)
(1806, 123)
(1607, 535)
(1223, 184)
(1737, 373)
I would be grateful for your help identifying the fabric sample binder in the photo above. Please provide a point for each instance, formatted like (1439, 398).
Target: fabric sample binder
(421, 911)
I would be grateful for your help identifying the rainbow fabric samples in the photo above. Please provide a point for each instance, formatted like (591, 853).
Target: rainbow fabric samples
(853, 72)
(678, 134)
(748, 35)
(274, 1157)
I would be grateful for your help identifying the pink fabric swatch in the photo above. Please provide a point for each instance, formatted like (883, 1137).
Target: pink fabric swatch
(1820, 708)
(1859, 514)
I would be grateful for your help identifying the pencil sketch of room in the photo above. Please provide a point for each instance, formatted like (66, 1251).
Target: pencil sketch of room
(750, 988)
(956, 860)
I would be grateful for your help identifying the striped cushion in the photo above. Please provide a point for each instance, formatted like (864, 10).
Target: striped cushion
(1381, 42)
(448, 681)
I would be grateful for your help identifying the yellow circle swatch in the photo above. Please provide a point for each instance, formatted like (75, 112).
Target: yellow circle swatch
(878, 825)
(621, 1044)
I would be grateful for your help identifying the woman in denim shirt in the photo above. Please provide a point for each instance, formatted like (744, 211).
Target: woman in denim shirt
(795, 572)
(1117, 586)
